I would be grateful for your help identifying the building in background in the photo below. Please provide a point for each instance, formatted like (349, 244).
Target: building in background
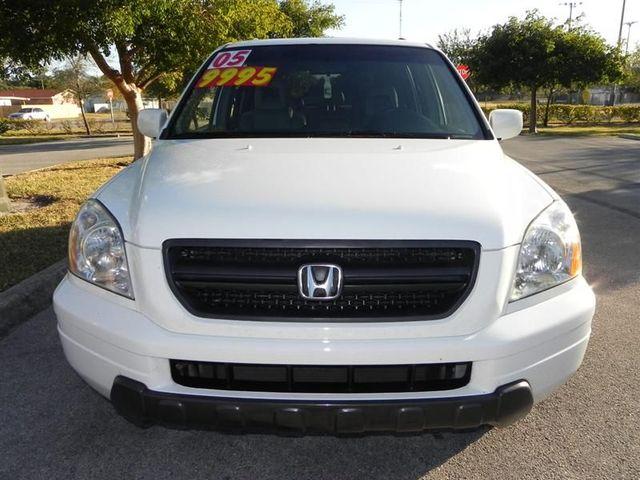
(57, 103)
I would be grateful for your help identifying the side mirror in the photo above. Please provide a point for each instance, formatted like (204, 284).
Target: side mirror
(151, 121)
(506, 123)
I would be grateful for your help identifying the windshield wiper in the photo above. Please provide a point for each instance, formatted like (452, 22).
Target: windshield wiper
(374, 133)
(304, 134)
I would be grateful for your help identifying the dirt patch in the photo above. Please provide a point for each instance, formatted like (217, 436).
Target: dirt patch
(20, 205)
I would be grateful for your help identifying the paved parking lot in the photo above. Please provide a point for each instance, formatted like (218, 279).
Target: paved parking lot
(54, 426)
(21, 158)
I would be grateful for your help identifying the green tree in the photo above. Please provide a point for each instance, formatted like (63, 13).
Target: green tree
(152, 38)
(632, 70)
(14, 74)
(310, 19)
(458, 45)
(517, 54)
(533, 53)
(74, 76)
(581, 58)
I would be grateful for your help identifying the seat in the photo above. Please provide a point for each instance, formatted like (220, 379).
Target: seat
(270, 113)
(381, 100)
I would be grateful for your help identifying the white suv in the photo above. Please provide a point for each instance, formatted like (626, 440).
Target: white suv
(327, 236)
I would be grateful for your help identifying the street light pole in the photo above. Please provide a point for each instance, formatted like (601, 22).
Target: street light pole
(629, 25)
(571, 6)
(400, 26)
(624, 5)
(612, 98)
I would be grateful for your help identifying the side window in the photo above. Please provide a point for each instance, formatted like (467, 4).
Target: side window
(199, 112)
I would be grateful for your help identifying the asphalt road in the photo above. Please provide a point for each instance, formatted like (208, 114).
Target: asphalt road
(52, 425)
(21, 158)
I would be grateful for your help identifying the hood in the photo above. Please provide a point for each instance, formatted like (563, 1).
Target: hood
(326, 189)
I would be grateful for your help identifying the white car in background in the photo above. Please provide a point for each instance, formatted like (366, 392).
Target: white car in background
(327, 236)
(30, 113)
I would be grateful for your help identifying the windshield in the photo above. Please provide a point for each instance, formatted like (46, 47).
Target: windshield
(326, 90)
(24, 110)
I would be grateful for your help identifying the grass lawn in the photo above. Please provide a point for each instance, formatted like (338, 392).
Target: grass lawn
(33, 139)
(33, 239)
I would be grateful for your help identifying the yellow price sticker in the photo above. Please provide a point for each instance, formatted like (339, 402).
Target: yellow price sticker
(237, 77)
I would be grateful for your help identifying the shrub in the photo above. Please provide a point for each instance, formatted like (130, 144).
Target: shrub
(629, 113)
(96, 126)
(66, 126)
(5, 125)
(608, 113)
(34, 127)
(571, 114)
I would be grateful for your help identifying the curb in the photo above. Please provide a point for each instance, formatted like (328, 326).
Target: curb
(629, 136)
(22, 301)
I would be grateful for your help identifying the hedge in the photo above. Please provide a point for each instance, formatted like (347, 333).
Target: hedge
(67, 126)
(570, 114)
(32, 126)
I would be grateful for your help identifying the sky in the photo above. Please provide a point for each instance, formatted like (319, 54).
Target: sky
(424, 20)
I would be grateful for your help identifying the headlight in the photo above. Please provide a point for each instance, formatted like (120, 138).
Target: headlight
(550, 253)
(96, 249)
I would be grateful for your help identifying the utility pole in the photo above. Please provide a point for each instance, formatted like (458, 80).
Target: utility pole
(571, 6)
(400, 29)
(612, 98)
(629, 25)
(624, 5)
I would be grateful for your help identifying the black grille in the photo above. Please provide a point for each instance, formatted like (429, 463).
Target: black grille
(383, 280)
(321, 379)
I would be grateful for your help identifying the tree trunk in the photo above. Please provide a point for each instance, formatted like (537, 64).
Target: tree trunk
(545, 121)
(4, 198)
(125, 82)
(141, 144)
(84, 117)
(533, 114)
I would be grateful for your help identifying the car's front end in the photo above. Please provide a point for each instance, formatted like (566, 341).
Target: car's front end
(324, 282)
(18, 116)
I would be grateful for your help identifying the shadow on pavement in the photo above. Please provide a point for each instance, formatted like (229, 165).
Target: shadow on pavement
(605, 235)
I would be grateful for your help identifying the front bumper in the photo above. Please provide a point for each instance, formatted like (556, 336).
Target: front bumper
(144, 407)
(105, 337)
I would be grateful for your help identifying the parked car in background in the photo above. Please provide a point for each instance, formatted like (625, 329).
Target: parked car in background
(30, 113)
(327, 236)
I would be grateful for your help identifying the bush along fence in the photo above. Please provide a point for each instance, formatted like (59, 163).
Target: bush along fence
(576, 114)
